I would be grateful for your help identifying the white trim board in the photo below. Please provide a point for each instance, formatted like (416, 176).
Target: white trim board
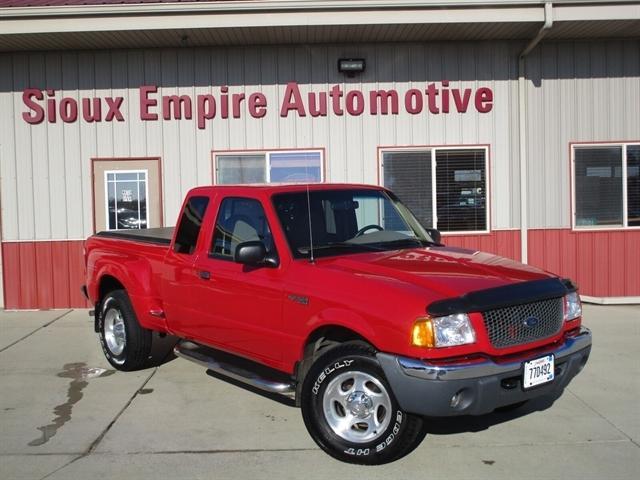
(610, 300)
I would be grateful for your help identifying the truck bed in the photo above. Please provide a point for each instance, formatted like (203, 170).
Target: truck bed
(159, 236)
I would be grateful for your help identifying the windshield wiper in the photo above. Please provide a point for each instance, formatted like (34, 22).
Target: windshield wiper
(341, 245)
(414, 241)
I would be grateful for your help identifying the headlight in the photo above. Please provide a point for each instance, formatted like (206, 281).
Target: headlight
(572, 306)
(446, 331)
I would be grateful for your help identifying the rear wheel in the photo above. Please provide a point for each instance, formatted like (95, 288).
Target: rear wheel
(125, 344)
(350, 411)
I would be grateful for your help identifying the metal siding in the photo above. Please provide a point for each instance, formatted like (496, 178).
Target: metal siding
(104, 135)
(238, 132)
(631, 88)
(72, 163)
(40, 73)
(12, 278)
(28, 274)
(268, 78)
(43, 274)
(170, 136)
(8, 187)
(579, 91)
(24, 201)
(505, 243)
(354, 149)
(186, 138)
(54, 156)
(203, 138)
(319, 77)
(603, 264)
(135, 76)
(61, 284)
(337, 142)
(88, 141)
(559, 80)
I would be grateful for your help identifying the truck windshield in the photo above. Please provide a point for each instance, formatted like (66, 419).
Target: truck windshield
(347, 221)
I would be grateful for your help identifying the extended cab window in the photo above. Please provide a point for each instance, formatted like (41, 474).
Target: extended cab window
(190, 223)
(239, 220)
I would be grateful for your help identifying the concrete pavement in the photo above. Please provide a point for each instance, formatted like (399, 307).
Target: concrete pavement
(65, 414)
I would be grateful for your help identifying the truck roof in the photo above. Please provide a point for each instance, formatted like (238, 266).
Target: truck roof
(271, 188)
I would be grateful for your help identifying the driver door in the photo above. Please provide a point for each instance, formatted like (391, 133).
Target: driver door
(243, 303)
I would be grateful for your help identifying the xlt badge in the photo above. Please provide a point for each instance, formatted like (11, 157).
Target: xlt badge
(298, 299)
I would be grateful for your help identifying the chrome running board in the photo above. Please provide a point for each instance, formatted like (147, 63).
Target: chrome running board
(203, 356)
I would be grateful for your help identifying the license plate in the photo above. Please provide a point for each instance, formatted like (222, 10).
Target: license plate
(538, 371)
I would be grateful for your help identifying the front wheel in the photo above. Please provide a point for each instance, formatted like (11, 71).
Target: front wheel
(350, 411)
(125, 344)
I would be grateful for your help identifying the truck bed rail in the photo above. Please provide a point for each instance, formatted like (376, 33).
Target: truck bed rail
(160, 236)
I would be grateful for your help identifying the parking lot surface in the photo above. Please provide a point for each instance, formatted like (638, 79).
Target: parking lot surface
(65, 414)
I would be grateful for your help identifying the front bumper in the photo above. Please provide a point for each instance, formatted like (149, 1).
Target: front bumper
(426, 389)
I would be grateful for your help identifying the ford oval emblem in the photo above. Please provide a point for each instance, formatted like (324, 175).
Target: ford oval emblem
(531, 322)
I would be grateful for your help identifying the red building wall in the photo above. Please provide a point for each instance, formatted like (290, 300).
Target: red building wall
(603, 264)
(43, 274)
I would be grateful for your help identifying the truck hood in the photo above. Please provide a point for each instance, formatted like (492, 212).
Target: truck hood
(443, 271)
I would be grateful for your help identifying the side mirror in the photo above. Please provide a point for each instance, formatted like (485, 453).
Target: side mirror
(435, 235)
(254, 253)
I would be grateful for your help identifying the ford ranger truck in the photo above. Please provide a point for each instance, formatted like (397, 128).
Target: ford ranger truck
(335, 298)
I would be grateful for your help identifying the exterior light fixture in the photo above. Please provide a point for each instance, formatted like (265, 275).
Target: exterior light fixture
(351, 66)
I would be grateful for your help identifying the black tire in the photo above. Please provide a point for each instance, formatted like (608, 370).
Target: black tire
(399, 435)
(131, 350)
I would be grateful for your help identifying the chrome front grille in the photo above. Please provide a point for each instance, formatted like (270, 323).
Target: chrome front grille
(524, 323)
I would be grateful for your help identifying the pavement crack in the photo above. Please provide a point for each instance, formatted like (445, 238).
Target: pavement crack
(539, 444)
(232, 450)
(102, 434)
(97, 441)
(73, 460)
(36, 330)
(604, 418)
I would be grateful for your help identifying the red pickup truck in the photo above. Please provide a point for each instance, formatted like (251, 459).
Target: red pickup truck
(336, 298)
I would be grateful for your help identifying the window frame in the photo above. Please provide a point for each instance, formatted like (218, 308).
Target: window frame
(267, 152)
(432, 150)
(106, 194)
(623, 144)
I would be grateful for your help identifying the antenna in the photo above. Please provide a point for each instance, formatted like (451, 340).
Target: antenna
(311, 258)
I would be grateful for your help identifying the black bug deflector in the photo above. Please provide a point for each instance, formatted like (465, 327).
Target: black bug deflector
(499, 297)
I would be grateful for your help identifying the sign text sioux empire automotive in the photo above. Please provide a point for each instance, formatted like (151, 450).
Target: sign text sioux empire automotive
(435, 98)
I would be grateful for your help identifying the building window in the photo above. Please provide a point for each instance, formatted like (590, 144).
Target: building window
(126, 193)
(266, 167)
(606, 185)
(445, 188)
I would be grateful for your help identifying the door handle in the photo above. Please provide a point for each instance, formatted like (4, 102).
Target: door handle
(204, 274)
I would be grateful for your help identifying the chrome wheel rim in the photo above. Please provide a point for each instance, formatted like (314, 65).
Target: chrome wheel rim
(115, 335)
(357, 407)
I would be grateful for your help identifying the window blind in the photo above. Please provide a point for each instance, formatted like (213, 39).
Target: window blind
(232, 169)
(461, 194)
(408, 175)
(598, 172)
(633, 185)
